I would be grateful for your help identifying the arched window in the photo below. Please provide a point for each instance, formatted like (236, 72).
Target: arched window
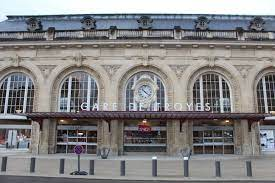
(212, 90)
(16, 94)
(266, 93)
(152, 85)
(76, 89)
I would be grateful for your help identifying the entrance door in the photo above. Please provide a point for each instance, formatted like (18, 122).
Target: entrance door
(213, 140)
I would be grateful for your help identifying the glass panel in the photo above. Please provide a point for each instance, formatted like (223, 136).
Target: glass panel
(218, 149)
(18, 84)
(210, 88)
(80, 81)
(229, 149)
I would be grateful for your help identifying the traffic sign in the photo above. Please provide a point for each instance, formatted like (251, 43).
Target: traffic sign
(78, 149)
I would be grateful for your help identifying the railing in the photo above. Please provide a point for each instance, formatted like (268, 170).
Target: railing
(137, 34)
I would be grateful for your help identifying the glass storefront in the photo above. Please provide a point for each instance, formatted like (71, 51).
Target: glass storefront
(70, 135)
(145, 136)
(209, 139)
(15, 136)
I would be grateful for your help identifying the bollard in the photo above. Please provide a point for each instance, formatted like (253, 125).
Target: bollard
(218, 168)
(4, 164)
(248, 169)
(32, 165)
(186, 166)
(122, 168)
(92, 167)
(154, 166)
(62, 166)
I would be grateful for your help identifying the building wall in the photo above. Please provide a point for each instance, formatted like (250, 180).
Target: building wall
(111, 65)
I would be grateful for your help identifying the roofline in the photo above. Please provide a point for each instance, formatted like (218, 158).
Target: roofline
(136, 14)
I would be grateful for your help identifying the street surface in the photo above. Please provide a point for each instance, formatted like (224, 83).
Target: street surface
(28, 179)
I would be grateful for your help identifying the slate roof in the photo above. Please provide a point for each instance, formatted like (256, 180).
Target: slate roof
(17, 23)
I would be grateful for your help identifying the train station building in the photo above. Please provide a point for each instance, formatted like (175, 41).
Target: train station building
(138, 83)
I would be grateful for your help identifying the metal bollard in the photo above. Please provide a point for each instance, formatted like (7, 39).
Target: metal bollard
(62, 166)
(218, 168)
(32, 165)
(4, 164)
(154, 166)
(186, 166)
(122, 168)
(92, 167)
(248, 169)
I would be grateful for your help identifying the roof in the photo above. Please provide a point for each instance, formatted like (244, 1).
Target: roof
(166, 115)
(129, 21)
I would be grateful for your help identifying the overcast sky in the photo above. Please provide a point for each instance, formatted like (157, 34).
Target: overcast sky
(39, 7)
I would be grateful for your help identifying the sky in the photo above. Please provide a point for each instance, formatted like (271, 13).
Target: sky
(42, 7)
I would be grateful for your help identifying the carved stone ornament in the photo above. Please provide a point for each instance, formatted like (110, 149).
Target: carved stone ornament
(88, 23)
(211, 61)
(46, 69)
(202, 23)
(178, 69)
(257, 24)
(145, 91)
(145, 22)
(243, 69)
(34, 24)
(111, 69)
(79, 58)
(15, 61)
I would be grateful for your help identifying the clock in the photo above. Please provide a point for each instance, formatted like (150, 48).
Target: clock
(145, 91)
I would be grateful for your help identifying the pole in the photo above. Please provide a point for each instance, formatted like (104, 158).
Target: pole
(78, 163)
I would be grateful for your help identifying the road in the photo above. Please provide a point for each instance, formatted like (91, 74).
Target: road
(28, 179)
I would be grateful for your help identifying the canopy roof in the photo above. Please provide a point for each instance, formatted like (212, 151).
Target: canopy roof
(166, 115)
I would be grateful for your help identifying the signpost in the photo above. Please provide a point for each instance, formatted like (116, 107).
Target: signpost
(78, 150)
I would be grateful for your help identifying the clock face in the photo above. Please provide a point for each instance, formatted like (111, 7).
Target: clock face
(145, 91)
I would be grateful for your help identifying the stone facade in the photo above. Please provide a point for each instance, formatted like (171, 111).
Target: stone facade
(178, 62)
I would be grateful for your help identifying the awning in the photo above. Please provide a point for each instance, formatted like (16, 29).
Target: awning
(12, 117)
(166, 115)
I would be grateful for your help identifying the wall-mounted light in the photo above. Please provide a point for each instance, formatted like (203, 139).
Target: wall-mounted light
(227, 121)
(62, 120)
(144, 121)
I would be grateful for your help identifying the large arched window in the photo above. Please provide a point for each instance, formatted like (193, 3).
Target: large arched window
(212, 90)
(76, 89)
(266, 93)
(16, 94)
(148, 79)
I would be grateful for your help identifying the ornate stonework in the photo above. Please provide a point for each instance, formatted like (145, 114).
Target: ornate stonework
(15, 61)
(243, 69)
(46, 69)
(111, 69)
(79, 58)
(178, 69)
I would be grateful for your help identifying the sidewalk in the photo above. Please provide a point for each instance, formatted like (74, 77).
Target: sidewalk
(201, 167)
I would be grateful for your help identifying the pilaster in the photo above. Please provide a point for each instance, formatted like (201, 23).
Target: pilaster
(35, 138)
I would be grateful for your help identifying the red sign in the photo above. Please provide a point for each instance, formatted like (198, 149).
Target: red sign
(144, 128)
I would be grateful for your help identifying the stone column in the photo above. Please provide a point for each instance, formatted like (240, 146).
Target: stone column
(103, 135)
(44, 143)
(246, 143)
(170, 128)
(114, 137)
(35, 138)
(178, 136)
(120, 131)
(237, 137)
(52, 137)
(255, 139)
